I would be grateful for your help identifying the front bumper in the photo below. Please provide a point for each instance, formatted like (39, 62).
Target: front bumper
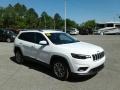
(92, 71)
(87, 67)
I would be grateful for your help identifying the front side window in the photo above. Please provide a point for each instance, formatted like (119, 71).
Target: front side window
(39, 37)
(61, 38)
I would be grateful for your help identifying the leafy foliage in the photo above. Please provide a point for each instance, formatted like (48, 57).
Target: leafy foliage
(87, 27)
(19, 16)
(58, 21)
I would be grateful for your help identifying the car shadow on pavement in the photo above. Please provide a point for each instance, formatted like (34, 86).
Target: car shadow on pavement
(46, 70)
(80, 78)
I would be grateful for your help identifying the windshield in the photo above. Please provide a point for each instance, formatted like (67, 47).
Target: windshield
(110, 25)
(61, 38)
(118, 26)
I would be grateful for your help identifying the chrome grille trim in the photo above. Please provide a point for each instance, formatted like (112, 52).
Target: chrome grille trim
(98, 56)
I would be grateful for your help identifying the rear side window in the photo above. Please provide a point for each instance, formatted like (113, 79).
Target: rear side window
(27, 36)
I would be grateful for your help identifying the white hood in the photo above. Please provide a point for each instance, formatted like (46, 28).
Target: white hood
(81, 48)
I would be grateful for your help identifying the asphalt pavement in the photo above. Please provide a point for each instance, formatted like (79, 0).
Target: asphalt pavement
(33, 76)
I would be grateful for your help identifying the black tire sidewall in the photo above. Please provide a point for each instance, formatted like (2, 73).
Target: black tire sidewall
(21, 61)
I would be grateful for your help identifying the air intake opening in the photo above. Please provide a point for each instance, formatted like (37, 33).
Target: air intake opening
(82, 68)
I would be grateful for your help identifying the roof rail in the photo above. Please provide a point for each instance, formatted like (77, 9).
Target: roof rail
(40, 30)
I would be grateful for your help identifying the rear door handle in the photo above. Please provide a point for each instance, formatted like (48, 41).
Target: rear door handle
(20, 43)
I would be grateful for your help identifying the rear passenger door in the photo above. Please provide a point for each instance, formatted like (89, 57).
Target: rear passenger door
(27, 43)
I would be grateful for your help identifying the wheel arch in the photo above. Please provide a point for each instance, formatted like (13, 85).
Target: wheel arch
(59, 58)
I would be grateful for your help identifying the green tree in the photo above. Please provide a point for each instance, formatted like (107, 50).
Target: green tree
(1, 16)
(58, 22)
(88, 26)
(9, 17)
(46, 21)
(20, 11)
(71, 24)
(18, 16)
(43, 20)
(31, 18)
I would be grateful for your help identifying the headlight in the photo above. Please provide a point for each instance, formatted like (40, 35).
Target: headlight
(79, 56)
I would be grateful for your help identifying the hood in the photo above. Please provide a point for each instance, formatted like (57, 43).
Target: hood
(81, 48)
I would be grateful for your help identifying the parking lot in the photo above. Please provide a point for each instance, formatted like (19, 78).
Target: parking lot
(33, 76)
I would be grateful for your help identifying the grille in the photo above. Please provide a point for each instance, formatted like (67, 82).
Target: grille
(98, 56)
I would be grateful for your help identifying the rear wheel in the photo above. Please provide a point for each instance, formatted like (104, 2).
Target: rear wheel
(60, 70)
(18, 57)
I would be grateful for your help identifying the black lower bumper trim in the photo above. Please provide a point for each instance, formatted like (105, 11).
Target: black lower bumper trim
(92, 71)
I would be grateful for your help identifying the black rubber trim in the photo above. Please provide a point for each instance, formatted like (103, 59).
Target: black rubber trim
(92, 71)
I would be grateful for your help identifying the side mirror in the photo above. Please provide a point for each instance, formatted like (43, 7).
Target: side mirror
(43, 42)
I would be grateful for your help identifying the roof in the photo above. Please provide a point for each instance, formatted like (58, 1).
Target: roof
(114, 22)
(43, 31)
(106, 28)
(50, 31)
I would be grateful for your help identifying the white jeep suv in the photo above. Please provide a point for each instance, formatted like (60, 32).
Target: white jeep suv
(64, 54)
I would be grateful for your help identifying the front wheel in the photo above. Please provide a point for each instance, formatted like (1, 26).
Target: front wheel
(60, 70)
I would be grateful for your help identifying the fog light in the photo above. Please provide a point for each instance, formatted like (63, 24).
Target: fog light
(82, 69)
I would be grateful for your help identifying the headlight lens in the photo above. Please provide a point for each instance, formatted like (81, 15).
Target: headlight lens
(79, 56)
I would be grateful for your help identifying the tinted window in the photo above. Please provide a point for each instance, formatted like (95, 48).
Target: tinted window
(1, 32)
(110, 25)
(61, 38)
(98, 26)
(118, 26)
(39, 37)
(28, 36)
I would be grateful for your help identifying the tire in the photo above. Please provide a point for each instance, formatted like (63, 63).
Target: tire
(18, 57)
(8, 40)
(60, 70)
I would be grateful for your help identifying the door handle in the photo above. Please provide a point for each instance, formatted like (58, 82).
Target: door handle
(20, 43)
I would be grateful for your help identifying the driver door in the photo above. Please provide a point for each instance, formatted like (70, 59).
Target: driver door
(42, 52)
